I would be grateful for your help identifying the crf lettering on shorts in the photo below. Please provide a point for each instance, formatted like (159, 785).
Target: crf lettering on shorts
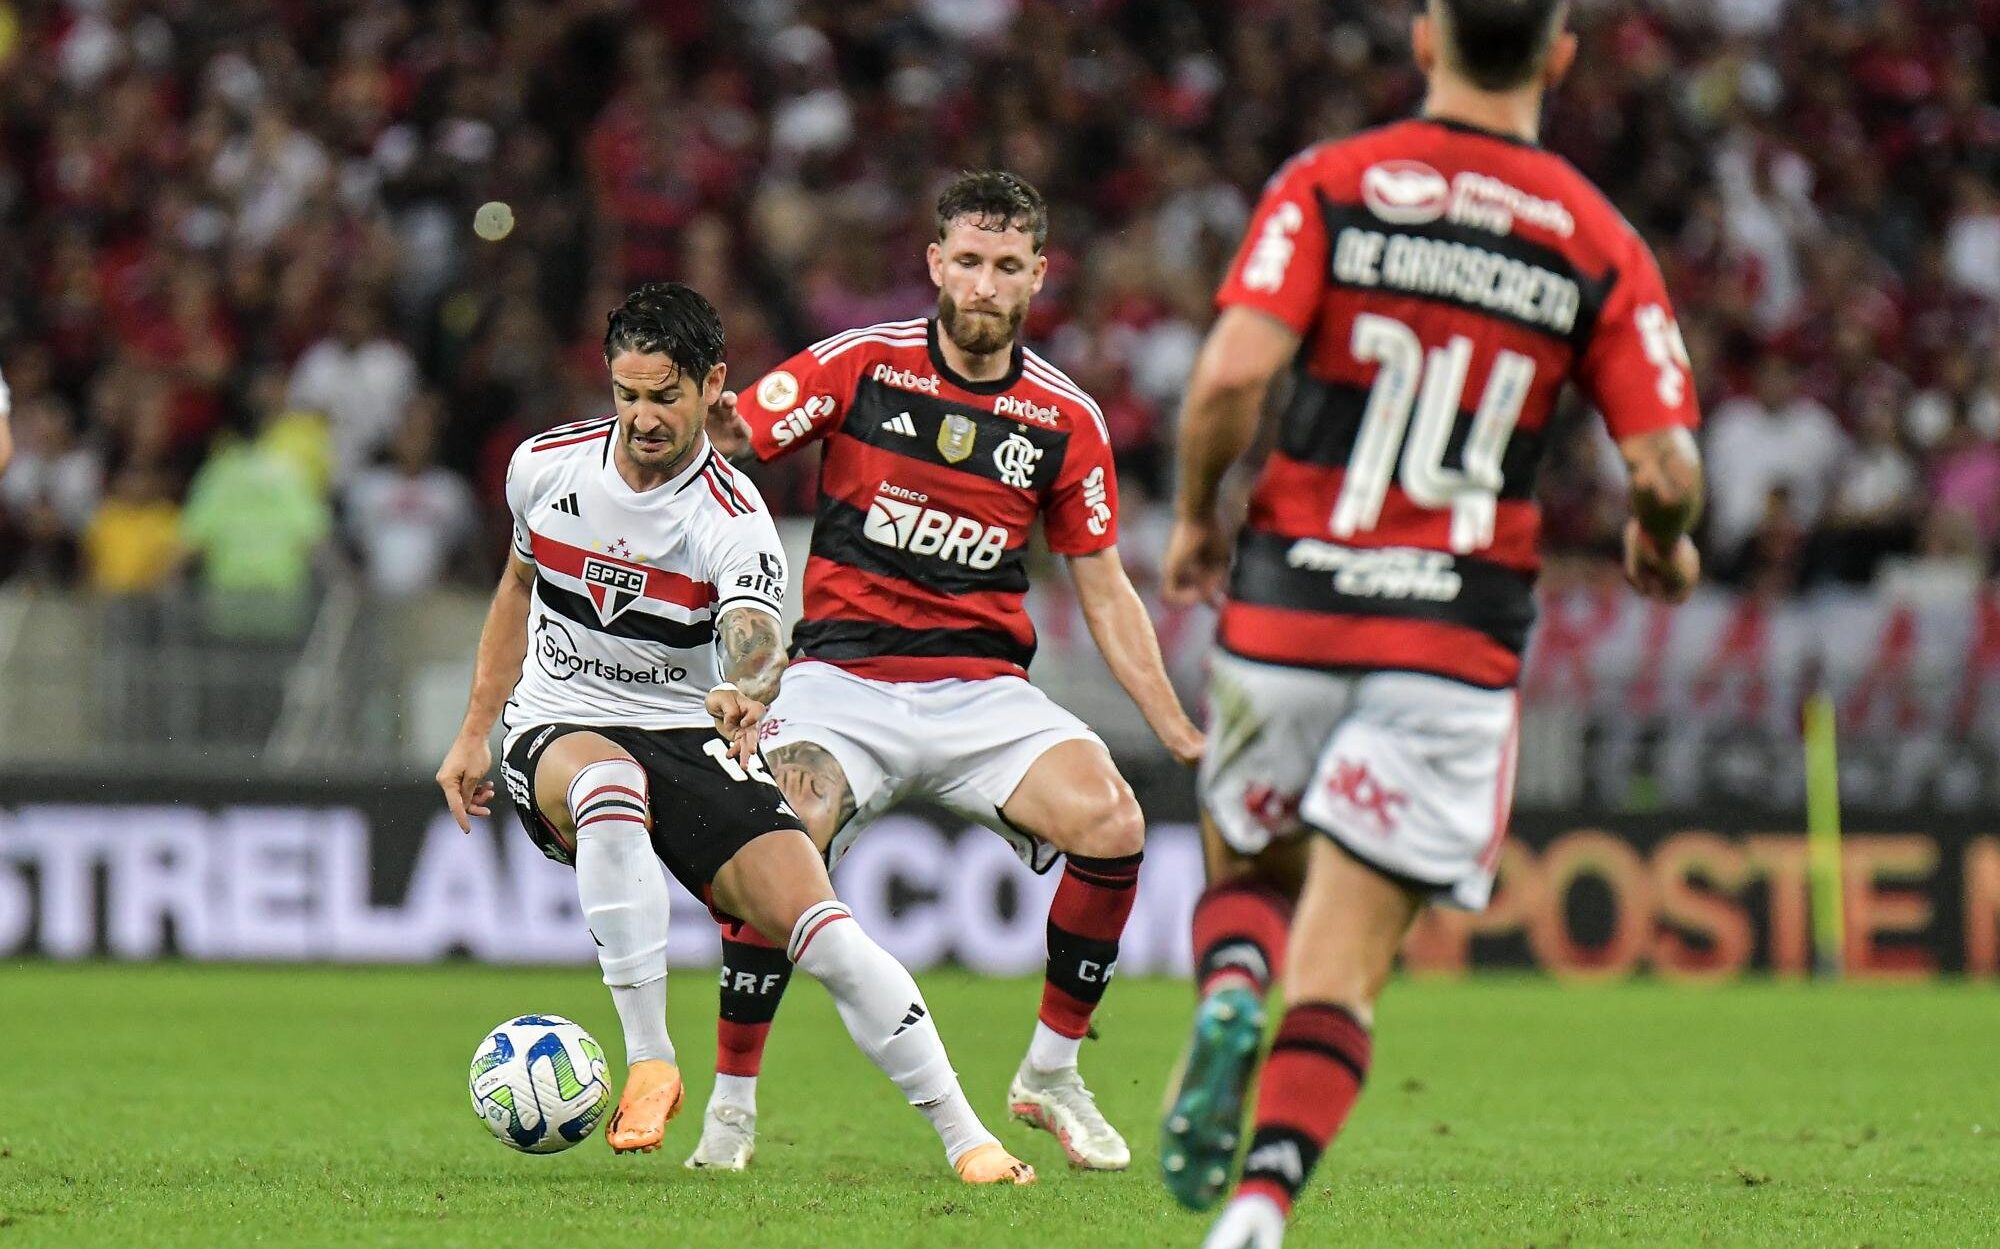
(910, 526)
(1391, 572)
(1354, 784)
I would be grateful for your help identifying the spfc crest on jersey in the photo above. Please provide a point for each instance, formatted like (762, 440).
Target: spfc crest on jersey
(955, 438)
(613, 587)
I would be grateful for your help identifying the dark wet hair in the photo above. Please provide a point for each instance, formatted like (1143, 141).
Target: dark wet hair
(995, 200)
(669, 319)
(1500, 44)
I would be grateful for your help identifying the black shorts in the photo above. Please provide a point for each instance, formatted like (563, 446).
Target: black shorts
(702, 812)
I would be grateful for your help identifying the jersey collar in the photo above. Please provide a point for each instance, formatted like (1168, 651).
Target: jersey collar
(1466, 127)
(672, 486)
(998, 386)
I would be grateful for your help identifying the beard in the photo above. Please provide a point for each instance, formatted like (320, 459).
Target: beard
(980, 334)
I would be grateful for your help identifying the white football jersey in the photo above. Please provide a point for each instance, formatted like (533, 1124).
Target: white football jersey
(629, 584)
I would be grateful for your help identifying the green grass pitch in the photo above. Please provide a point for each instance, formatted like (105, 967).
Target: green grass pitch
(177, 1105)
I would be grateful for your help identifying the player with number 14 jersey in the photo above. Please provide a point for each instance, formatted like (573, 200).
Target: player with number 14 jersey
(1430, 287)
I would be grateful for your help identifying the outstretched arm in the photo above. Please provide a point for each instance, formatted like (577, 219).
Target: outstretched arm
(751, 654)
(1660, 559)
(1124, 634)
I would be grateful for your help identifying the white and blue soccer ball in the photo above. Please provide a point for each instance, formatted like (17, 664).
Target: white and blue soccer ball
(539, 1083)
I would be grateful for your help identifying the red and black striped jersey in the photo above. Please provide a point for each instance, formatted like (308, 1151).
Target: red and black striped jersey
(929, 488)
(1445, 282)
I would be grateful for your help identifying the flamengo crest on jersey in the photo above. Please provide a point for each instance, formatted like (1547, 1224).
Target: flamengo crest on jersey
(628, 586)
(929, 489)
(1446, 283)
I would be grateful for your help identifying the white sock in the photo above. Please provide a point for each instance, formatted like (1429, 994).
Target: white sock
(887, 1017)
(737, 1091)
(646, 1006)
(957, 1126)
(623, 889)
(1051, 1050)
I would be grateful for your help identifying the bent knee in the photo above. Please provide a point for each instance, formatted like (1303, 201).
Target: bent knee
(1105, 824)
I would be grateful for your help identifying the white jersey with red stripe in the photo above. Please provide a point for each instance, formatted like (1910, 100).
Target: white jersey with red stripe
(629, 584)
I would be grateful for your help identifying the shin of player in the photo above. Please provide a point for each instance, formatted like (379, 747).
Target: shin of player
(1381, 726)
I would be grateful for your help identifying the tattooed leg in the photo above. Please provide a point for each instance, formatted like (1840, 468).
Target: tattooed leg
(812, 781)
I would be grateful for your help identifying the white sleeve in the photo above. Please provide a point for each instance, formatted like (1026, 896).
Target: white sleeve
(747, 564)
(520, 493)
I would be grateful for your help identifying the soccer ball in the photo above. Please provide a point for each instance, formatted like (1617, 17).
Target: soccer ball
(539, 1083)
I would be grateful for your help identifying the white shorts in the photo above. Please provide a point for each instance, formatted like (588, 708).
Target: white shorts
(964, 745)
(1412, 774)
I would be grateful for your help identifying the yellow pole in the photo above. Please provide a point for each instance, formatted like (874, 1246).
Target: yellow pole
(1823, 834)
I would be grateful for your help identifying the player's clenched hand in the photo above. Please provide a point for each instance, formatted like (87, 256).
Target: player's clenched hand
(1668, 575)
(729, 432)
(463, 779)
(1197, 563)
(737, 717)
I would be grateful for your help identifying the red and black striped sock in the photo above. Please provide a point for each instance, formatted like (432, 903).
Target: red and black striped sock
(1086, 918)
(1240, 930)
(755, 972)
(1318, 1063)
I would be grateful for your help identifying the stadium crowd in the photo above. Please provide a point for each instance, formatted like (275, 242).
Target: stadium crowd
(251, 336)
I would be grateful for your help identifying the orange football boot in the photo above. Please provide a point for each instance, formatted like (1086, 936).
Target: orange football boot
(652, 1097)
(991, 1164)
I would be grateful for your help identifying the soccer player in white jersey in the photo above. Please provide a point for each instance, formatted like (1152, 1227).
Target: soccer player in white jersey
(637, 627)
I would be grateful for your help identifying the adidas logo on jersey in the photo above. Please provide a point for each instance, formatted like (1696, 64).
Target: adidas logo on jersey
(901, 424)
(907, 526)
(568, 504)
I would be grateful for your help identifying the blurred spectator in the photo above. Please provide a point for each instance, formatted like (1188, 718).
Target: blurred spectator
(1776, 443)
(49, 490)
(253, 525)
(361, 378)
(208, 196)
(1876, 500)
(132, 543)
(411, 519)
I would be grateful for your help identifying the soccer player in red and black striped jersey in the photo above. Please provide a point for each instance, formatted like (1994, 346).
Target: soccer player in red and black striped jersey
(945, 439)
(1429, 287)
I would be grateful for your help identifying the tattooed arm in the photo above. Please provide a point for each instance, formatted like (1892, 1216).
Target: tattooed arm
(752, 652)
(751, 655)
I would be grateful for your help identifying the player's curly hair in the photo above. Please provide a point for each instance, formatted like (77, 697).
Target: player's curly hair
(670, 319)
(995, 199)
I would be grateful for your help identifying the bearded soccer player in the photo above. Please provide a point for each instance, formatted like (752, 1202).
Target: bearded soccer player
(637, 628)
(945, 439)
(1429, 287)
